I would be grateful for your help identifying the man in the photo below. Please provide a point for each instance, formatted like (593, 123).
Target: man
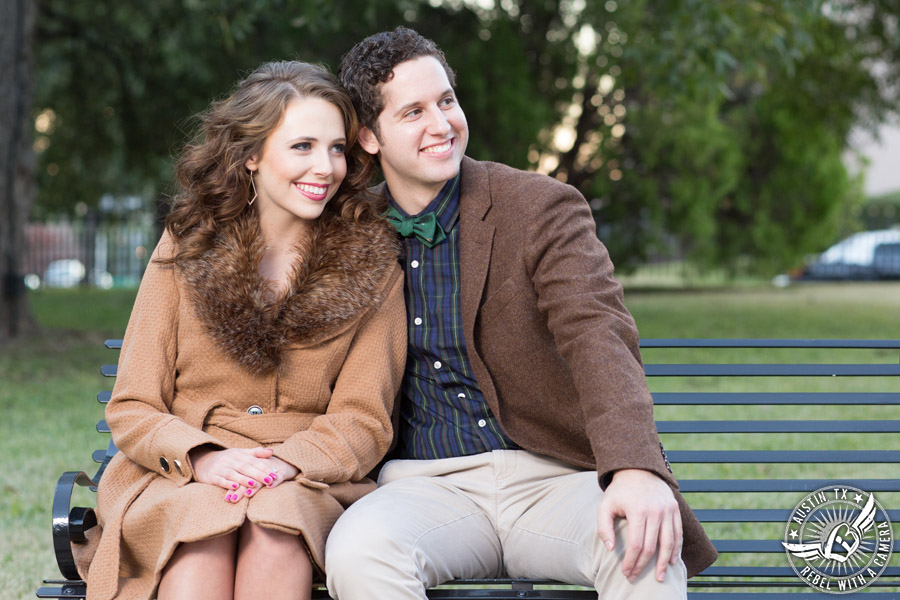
(526, 440)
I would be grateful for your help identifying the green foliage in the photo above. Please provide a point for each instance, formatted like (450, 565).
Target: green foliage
(711, 130)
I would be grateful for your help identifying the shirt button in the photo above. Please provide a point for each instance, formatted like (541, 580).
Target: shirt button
(482, 422)
(437, 364)
(414, 264)
(463, 396)
(418, 320)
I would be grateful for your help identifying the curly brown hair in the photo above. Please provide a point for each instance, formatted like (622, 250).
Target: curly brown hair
(213, 181)
(371, 63)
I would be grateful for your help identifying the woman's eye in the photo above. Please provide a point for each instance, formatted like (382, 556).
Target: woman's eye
(339, 148)
(302, 146)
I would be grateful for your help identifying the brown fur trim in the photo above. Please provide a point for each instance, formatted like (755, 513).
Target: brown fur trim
(340, 276)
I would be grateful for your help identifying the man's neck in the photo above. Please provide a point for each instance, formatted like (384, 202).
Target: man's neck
(413, 199)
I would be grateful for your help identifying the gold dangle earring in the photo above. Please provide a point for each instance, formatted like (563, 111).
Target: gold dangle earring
(252, 185)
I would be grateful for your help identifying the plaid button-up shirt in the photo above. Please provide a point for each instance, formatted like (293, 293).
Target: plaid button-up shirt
(443, 412)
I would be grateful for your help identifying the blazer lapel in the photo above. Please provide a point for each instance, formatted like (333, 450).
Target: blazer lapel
(476, 239)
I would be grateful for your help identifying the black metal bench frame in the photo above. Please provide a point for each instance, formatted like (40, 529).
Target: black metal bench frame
(718, 582)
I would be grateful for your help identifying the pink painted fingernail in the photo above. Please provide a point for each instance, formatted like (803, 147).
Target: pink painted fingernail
(234, 486)
(251, 483)
(228, 497)
(273, 476)
(267, 480)
(249, 492)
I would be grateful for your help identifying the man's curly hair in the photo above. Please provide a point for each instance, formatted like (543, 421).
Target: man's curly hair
(371, 63)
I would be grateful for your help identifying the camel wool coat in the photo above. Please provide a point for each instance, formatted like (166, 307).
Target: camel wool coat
(210, 359)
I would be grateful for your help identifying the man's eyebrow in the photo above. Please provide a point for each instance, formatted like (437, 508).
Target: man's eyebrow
(408, 105)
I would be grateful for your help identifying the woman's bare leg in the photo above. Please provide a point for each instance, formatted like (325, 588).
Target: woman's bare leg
(203, 569)
(271, 564)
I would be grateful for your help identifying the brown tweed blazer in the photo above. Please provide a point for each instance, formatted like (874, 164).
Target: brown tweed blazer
(553, 347)
(203, 346)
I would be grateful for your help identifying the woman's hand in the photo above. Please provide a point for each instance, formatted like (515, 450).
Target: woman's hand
(240, 471)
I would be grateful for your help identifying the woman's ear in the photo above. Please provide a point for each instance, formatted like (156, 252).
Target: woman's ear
(368, 141)
(251, 163)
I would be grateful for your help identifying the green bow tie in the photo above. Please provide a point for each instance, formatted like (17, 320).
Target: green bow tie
(425, 227)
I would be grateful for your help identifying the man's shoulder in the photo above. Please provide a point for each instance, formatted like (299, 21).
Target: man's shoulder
(515, 180)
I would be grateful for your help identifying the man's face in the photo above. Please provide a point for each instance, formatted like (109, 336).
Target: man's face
(422, 132)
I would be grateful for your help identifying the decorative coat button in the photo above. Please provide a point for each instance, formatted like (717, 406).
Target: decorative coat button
(164, 464)
(255, 410)
(177, 464)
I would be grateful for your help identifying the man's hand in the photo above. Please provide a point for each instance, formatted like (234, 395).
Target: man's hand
(646, 502)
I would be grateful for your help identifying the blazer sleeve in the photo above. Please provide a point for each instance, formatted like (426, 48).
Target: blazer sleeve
(138, 414)
(354, 433)
(573, 277)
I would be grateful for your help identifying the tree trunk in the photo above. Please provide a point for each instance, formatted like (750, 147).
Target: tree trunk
(17, 160)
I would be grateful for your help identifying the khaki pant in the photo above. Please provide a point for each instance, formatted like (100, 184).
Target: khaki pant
(501, 513)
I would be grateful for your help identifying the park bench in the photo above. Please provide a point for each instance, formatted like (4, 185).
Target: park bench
(751, 427)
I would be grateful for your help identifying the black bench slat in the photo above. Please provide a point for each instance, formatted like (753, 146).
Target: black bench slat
(806, 595)
(771, 370)
(733, 571)
(848, 426)
(756, 515)
(774, 398)
(510, 594)
(767, 343)
(738, 370)
(784, 485)
(784, 456)
(755, 546)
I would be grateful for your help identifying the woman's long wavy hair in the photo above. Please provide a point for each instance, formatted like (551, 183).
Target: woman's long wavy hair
(213, 181)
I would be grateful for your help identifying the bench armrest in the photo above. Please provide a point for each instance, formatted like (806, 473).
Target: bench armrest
(69, 524)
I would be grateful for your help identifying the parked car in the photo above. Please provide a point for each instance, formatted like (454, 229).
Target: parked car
(886, 261)
(64, 273)
(864, 255)
(68, 273)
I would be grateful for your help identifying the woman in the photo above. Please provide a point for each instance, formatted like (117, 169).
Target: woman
(262, 358)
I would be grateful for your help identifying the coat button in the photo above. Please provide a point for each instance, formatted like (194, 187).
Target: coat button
(255, 410)
(164, 464)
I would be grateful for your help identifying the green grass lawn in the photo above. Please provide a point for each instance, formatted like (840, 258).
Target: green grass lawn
(48, 386)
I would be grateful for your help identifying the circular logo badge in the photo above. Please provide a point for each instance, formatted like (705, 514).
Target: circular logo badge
(838, 539)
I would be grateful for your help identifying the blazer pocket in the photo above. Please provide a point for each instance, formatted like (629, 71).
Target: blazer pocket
(499, 300)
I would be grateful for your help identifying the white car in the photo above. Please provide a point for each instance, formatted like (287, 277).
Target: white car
(864, 255)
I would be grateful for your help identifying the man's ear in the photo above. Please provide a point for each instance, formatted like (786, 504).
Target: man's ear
(368, 140)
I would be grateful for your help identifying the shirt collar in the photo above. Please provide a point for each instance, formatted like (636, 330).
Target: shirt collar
(445, 205)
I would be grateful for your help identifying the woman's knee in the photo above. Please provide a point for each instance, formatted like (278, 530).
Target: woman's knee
(263, 541)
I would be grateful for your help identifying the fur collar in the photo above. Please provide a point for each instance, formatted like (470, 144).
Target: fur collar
(340, 276)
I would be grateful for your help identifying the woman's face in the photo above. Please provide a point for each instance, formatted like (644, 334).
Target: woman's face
(302, 162)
